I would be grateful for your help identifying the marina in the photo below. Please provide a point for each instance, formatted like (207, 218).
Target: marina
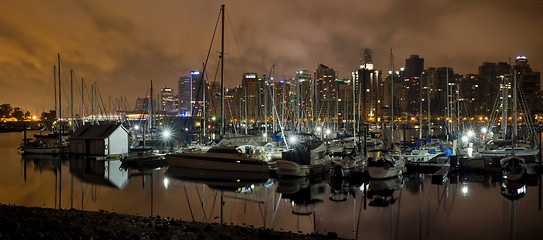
(329, 119)
(463, 204)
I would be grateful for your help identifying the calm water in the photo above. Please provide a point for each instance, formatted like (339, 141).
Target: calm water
(412, 207)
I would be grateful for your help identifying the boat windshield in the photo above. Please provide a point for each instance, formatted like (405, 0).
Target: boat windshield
(224, 150)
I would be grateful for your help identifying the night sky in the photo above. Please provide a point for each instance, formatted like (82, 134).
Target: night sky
(124, 44)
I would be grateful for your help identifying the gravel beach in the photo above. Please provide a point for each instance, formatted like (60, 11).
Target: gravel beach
(44, 223)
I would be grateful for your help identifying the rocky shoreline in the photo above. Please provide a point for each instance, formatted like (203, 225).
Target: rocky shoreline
(44, 223)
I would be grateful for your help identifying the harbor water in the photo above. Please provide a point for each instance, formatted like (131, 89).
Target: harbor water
(415, 206)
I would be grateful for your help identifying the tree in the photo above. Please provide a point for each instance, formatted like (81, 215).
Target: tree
(17, 113)
(5, 110)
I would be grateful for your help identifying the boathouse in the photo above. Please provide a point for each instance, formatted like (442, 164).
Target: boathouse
(100, 140)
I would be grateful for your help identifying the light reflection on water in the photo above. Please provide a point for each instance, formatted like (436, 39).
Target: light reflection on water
(412, 207)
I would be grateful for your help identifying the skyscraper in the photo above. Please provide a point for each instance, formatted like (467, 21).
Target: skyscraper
(167, 101)
(366, 59)
(184, 96)
(529, 82)
(325, 91)
(414, 66)
(191, 94)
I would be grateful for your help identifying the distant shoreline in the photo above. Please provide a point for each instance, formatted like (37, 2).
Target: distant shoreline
(33, 223)
(6, 127)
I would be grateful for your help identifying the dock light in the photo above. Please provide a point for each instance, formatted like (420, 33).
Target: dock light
(484, 130)
(166, 134)
(328, 131)
(471, 133)
(465, 139)
(292, 140)
(213, 118)
(318, 129)
(136, 127)
(265, 135)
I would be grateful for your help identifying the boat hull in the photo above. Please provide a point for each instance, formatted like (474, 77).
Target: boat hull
(293, 169)
(44, 150)
(216, 162)
(379, 172)
(504, 153)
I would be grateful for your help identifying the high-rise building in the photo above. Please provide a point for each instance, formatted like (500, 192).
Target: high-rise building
(167, 100)
(368, 88)
(529, 83)
(366, 59)
(414, 66)
(470, 90)
(142, 105)
(302, 90)
(489, 76)
(191, 89)
(184, 96)
(439, 80)
(252, 95)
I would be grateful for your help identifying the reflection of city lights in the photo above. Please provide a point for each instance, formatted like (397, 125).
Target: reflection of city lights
(136, 127)
(328, 131)
(166, 182)
(465, 190)
(484, 130)
(465, 139)
(471, 133)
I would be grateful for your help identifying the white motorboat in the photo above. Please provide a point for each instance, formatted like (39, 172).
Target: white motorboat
(224, 158)
(382, 164)
(307, 157)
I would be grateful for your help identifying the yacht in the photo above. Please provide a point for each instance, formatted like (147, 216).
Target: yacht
(223, 158)
(306, 157)
(382, 164)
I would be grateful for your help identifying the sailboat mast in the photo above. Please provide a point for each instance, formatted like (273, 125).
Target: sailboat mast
(274, 109)
(55, 90)
(505, 101)
(428, 105)
(222, 71)
(59, 100)
(150, 105)
(354, 106)
(392, 98)
(448, 115)
(82, 102)
(420, 108)
(514, 122)
(204, 113)
(265, 107)
(72, 98)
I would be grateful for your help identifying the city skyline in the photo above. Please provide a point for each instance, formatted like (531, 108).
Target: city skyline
(123, 45)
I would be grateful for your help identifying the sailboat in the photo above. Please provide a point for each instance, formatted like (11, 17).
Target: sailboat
(385, 163)
(513, 168)
(221, 158)
(55, 143)
(501, 147)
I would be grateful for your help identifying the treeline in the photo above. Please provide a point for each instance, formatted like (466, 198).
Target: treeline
(24, 119)
(7, 111)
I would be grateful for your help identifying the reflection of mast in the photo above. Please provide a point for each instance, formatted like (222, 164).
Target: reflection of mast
(512, 190)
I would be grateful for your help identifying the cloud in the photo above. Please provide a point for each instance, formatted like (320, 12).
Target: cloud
(124, 44)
